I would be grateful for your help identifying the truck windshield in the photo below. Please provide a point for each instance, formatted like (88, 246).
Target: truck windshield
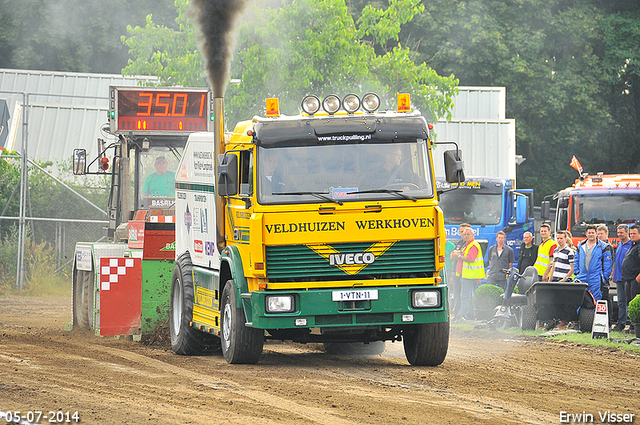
(606, 209)
(344, 173)
(461, 206)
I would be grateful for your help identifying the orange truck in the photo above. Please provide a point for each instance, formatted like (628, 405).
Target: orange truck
(609, 199)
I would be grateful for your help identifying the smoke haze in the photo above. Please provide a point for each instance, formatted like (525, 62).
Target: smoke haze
(217, 20)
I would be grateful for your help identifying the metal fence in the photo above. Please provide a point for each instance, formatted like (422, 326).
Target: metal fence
(61, 233)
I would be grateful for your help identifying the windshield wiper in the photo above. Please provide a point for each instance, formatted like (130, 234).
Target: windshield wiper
(391, 191)
(320, 195)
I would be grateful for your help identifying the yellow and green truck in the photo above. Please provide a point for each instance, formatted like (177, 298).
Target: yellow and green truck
(321, 227)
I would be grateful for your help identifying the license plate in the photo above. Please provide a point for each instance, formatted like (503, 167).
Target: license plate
(359, 295)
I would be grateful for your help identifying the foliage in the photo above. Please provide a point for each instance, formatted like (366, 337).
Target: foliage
(70, 35)
(302, 47)
(487, 297)
(171, 54)
(634, 310)
(570, 69)
(42, 278)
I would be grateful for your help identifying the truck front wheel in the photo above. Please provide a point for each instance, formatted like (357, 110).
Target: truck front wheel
(240, 344)
(185, 339)
(426, 344)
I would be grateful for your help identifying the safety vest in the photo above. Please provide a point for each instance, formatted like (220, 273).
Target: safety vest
(474, 269)
(544, 256)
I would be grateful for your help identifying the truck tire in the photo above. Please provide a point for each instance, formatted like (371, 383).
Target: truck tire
(585, 319)
(186, 340)
(240, 344)
(83, 308)
(528, 317)
(426, 344)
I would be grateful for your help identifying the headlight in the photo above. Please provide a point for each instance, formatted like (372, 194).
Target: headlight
(331, 104)
(425, 299)
(351, 103)
(311, 104)
(279, 304)
(370, 102)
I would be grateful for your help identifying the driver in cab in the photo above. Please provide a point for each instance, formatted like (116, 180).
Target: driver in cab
(162, 182)
(394, 173)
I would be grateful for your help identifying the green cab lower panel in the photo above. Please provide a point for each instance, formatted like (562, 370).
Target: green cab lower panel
(316, 308)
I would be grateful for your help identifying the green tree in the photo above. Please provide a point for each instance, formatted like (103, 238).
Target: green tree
(71, 35)
(569, 68)
(302, 47)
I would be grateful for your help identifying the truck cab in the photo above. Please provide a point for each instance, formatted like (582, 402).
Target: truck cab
(609, 199)
(488, 205)
(321, 227)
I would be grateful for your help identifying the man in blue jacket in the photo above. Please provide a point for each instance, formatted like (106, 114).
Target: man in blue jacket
(592, 262)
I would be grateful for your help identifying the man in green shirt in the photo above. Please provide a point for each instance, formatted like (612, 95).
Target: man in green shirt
(160, 183)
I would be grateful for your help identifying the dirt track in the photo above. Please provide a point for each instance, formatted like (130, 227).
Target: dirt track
(488, 379)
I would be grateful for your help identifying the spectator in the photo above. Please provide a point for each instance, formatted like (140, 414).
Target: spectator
(471, 267)
(621, 286)
(570, 241)
(528, 252)
(162, 182)
(631, 265)
(602, 232)
(562, 266)
(593, 262)
(448, 262)
(545, 253)
(456, 266)
(500, 258)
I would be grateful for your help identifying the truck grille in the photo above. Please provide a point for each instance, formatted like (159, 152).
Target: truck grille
(301, 262)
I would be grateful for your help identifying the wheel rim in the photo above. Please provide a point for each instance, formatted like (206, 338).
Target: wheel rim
(176, 307)
(226, 326)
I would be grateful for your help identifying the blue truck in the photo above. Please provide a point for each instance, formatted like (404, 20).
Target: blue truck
(488, 205)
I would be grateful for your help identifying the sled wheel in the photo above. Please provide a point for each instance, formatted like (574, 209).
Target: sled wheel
(528, 318)
(426, 344)
(585, 318)
(83, 294)
(185, 339)
(240, 344)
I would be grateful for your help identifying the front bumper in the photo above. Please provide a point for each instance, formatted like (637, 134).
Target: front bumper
(315, 309)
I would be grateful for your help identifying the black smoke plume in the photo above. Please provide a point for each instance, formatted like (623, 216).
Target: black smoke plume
(217, 22)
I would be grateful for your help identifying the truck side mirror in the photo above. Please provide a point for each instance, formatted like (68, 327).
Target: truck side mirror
(545, 209)
(79, 162)
(227, 174)
(453, 166)
(522, 207)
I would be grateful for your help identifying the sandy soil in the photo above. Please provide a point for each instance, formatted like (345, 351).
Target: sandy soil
(488, 377)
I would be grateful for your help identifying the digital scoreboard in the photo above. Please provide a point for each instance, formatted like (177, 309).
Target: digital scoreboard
(151, 110)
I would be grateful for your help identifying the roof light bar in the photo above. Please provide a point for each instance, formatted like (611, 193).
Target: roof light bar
(311, 104)
(370, 102)
(351, 103)
(331, 104)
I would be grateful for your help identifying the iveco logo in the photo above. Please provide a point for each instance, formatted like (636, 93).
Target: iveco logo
(349, 259)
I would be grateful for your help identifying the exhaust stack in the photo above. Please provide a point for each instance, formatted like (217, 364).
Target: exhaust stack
(218, 148)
